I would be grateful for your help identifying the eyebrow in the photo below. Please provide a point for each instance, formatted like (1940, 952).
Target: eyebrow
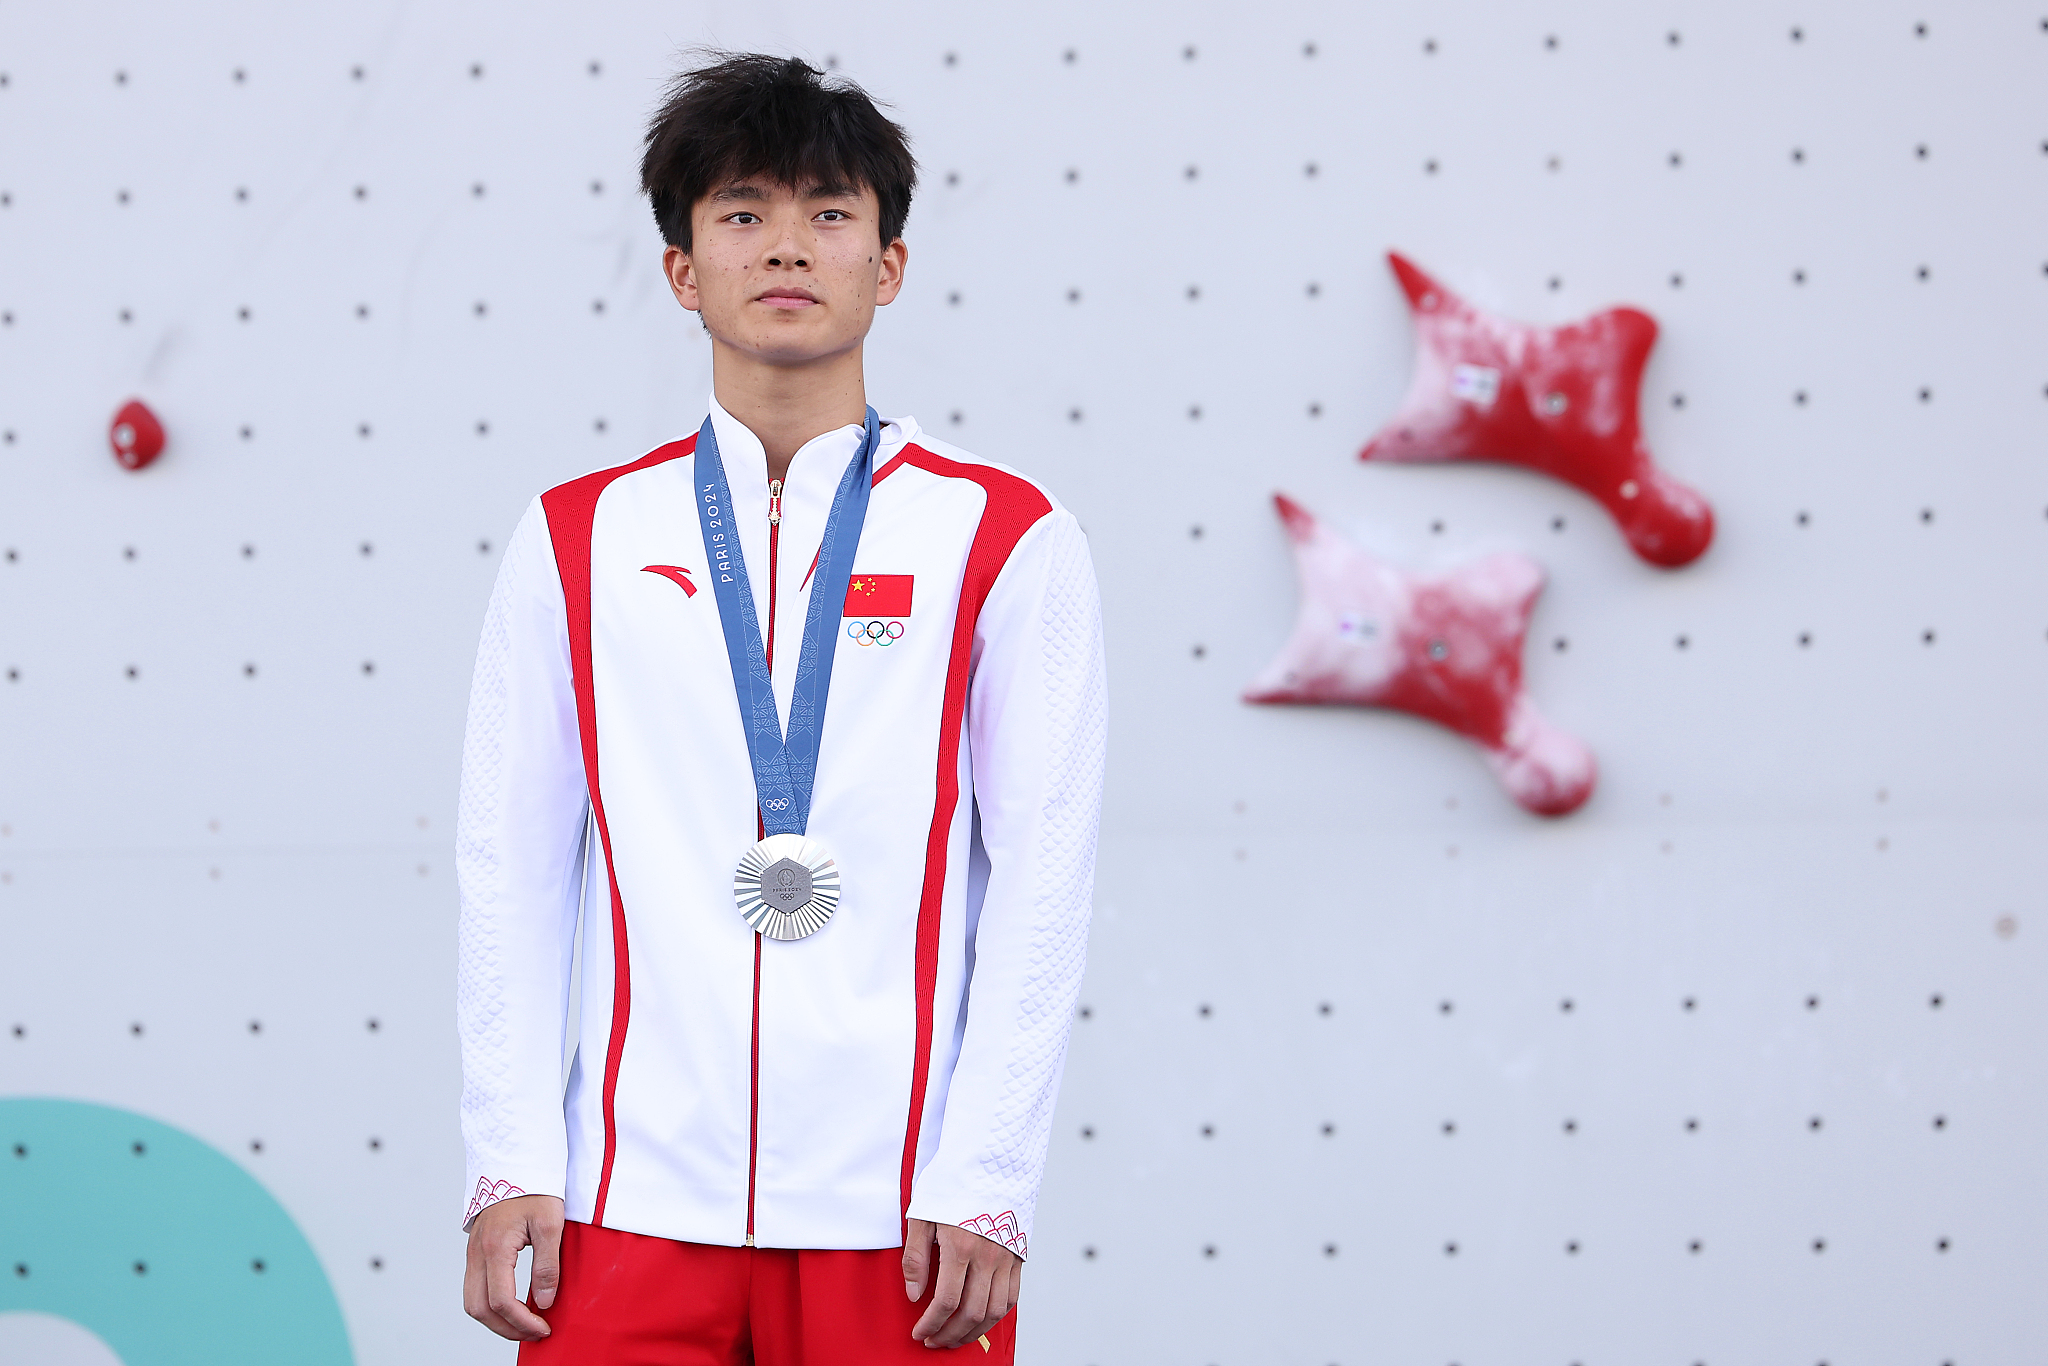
(745, 191)
(733, 194)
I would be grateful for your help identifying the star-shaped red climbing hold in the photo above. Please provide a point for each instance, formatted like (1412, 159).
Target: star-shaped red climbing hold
(1445, 647)
(1559, 400)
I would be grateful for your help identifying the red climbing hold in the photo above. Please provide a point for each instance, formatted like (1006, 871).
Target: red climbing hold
(136, 436)
(1445, 647)
(1558, 400)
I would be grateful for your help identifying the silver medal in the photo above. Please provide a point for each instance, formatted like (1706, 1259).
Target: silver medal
(787, 886)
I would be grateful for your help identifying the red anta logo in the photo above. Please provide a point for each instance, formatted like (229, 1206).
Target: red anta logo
(675, 574)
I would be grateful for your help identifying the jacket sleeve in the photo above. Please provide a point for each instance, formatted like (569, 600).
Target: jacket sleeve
(1037, 725)
(519, 862)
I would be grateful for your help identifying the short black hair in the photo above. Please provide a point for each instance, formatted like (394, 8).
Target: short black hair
(747, 113)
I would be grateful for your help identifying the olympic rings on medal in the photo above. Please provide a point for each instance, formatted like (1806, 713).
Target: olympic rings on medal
(883, 633)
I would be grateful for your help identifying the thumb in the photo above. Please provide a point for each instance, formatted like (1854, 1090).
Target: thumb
(547, 1263)
(917, 1257)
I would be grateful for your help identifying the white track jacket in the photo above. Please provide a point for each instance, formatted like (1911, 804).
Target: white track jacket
(902, 1061)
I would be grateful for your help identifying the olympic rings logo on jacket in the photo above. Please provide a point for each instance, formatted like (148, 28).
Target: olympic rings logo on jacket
(883, 633)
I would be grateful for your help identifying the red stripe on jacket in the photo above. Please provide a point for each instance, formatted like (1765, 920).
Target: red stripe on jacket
(1014, 506)
(571, 510)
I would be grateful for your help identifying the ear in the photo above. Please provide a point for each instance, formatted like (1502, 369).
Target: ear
(889, 283)
(682, 277)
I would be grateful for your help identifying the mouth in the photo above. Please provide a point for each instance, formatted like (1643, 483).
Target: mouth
(788, 298)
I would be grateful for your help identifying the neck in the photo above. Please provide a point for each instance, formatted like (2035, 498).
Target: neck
(786, 406)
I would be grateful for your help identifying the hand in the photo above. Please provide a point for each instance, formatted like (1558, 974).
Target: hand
(489, 1292)
(977, 1281)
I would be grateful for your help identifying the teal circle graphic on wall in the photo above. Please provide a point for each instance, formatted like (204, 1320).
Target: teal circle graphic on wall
(155, 1241)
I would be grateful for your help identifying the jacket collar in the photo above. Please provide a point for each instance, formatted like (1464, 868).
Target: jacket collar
(821, 461)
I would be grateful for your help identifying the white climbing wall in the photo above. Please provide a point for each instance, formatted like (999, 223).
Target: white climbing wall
(1739, 1064)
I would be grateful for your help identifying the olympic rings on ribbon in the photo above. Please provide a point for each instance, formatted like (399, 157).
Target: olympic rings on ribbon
(883, 633)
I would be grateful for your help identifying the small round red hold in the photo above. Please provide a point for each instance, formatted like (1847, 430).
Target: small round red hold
(136, 435)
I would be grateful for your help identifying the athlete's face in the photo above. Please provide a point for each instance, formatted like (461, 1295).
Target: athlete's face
(785, 276)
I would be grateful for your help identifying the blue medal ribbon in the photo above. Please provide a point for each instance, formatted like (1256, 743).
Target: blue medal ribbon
(785, 765)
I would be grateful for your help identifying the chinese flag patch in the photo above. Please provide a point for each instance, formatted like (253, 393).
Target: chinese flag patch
(878, 595)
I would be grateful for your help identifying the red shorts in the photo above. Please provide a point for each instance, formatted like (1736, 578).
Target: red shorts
(630, 1300)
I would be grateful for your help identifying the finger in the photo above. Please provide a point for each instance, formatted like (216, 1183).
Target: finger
(501, 1293)
(998, 1297)
(476, 1295)
(946, 1290)
(1002, 1292)
(476, 1302)
(1003, 1298)
(967, 1319)
(917, 1257)
(473, 1288)
(498, 1325)
(998, 1302)
(547, 1261)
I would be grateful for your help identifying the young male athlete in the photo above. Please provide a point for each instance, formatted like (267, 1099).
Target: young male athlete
(789, 737)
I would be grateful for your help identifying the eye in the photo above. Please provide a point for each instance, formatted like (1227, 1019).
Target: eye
(834, 215)
(743, 217)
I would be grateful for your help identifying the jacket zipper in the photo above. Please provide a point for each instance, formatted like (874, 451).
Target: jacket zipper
(774, 537)
(754, 1059)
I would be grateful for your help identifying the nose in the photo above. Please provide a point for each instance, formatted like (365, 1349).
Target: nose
(791, 250)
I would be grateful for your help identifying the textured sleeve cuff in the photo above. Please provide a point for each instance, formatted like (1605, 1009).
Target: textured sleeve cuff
(489, 1188)
(998, 1226)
